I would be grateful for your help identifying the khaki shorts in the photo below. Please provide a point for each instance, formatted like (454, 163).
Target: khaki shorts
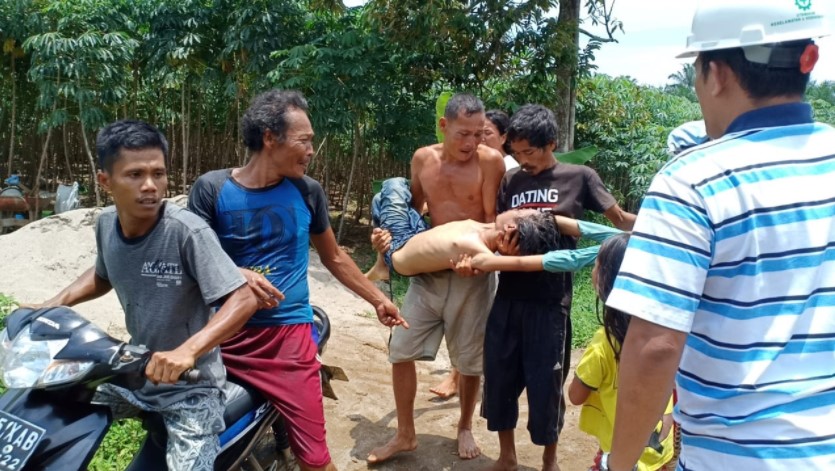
(444, 304)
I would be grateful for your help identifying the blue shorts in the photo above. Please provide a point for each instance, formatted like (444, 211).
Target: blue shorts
(391, 209)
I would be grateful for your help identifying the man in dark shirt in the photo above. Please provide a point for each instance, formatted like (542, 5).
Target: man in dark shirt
(528, 338)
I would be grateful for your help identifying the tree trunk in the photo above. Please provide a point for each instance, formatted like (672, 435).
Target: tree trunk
(14, 117)
(172, 158)
(239, 152)
(325, 170)
(184, 124)
(92, 161)
(198, 161)
(346, 197)
(44, 153)
(89, 154)
(568, 23)
(66, 148)
(226, 152)
(135, 87)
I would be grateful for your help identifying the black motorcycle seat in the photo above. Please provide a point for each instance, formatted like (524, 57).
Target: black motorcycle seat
(240, 399)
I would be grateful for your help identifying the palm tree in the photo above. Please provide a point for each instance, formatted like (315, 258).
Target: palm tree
(686, 77)
(683, 82)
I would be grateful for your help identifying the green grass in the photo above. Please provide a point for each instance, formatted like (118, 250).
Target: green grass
(119, 446)
(583, 312)
(7, 305)
(584, 306)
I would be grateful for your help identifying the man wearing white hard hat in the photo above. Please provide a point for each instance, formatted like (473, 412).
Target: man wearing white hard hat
(730, 271)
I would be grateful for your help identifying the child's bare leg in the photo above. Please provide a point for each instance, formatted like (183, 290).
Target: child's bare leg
(448, 387)
(549, 458)
(380, 271)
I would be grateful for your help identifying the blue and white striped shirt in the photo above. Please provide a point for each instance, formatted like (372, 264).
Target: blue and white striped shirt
(735, 244)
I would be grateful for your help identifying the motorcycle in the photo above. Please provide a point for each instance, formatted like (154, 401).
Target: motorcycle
(53, 359)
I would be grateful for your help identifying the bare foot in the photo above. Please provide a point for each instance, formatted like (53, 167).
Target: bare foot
(448, 387)
(394, 446)
(551, 467)
(504, 465)
(467, 449)
(379, 272)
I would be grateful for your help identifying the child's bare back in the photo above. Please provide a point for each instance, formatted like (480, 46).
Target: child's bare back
(433, 250)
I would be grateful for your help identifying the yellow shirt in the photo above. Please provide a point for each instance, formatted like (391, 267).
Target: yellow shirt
(599, 371)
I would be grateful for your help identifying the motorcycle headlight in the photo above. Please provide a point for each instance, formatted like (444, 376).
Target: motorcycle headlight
(28, 363)
(5, 345)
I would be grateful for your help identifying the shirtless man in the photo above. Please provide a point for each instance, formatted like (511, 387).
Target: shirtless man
(458, 180)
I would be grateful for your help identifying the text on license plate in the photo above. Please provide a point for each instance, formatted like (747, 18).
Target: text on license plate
(18, 439)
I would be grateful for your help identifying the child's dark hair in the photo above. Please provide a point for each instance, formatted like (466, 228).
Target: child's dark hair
(538, 234)
(609, 259)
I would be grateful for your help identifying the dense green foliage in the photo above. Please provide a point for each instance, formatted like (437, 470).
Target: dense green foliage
(372, 75)
(628, 123)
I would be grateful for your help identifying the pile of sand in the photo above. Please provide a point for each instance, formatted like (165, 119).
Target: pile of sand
(45, 256)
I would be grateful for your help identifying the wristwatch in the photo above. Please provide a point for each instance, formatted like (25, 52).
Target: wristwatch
(604, 463)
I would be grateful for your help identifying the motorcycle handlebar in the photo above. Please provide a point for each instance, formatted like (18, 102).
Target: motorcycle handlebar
(191, 376)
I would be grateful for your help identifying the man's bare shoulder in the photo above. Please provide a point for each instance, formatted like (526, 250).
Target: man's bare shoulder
(488, 156)
(428, 152)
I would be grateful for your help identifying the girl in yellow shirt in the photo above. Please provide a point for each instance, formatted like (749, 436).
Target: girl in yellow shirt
(596, 378)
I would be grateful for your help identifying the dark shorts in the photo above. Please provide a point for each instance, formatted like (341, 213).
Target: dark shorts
(524, 348)
(281, 362)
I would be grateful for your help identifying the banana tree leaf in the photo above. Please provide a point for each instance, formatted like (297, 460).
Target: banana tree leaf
(440, 105)
(578, 156)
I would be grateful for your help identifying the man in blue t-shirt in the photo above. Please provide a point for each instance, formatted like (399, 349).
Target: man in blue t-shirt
(266, 214)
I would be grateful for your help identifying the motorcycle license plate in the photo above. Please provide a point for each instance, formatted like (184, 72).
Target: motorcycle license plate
(18, 440)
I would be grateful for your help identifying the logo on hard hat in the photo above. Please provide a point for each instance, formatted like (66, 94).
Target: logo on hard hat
(804, 5)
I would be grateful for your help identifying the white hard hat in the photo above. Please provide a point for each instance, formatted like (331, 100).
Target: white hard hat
(726, 24)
